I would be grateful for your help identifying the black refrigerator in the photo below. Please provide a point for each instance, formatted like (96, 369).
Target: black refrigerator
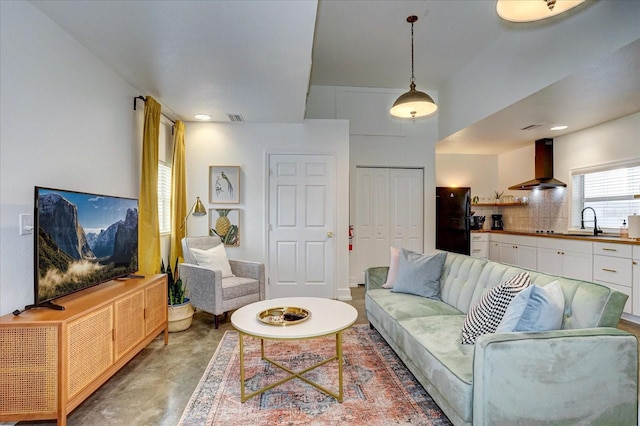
(453, 219)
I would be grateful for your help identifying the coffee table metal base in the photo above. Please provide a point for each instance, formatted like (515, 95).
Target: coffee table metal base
(292, 374)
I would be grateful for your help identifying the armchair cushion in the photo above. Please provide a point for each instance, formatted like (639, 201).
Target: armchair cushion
(214, 258)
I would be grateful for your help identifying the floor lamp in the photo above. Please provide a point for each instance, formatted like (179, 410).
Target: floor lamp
(197, 209)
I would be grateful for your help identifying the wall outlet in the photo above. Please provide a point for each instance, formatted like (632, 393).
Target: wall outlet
(26, 223)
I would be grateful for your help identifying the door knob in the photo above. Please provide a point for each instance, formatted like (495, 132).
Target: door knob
(330, 234)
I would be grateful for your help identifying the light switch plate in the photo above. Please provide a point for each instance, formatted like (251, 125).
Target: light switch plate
(26, 224)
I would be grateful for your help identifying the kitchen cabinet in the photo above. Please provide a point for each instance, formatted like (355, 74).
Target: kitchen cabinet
(494, 250)
(612, 266)
(517, 250)
(566, 258)
(480, 245)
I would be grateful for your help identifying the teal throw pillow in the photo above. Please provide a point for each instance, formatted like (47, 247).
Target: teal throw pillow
(419, 274)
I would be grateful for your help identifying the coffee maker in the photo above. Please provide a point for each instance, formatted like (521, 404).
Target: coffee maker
(477, 222)
(496, 222)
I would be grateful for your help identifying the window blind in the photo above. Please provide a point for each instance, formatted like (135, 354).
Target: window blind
(164, 198)
(610, 192)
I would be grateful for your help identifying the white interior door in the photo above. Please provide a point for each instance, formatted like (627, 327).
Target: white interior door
(372, 218)
(389, 212)
(302, 206)
(407, 208)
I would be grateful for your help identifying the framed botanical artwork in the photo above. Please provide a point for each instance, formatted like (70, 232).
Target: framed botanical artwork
(225, 223)
(224, 184)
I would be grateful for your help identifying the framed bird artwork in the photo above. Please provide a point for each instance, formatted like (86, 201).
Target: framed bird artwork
(224, 184)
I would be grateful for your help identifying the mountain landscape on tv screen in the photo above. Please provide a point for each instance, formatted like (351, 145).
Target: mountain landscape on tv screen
(71, 259)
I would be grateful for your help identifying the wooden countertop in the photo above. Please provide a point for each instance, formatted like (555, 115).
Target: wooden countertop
(601, 238)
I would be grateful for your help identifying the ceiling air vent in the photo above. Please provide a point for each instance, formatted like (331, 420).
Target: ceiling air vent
(531, 127)
(235, 117)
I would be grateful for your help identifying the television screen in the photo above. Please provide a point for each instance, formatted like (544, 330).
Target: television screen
(81, 240)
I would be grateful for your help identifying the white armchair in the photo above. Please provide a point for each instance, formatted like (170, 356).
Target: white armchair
(209, 291)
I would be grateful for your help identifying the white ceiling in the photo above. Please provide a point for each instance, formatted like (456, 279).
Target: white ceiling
(254, 58)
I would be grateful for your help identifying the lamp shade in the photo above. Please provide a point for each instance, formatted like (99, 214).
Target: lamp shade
(533, 10)
(412, 104)
(199, 209)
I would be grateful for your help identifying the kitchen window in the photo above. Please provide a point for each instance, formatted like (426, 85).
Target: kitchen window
(613, 191)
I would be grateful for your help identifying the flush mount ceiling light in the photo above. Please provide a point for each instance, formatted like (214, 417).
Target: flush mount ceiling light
(559, 127)
(413, 103)
(533, 10)
(202, 117)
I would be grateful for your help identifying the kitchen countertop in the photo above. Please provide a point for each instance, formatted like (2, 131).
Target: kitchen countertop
(600, 238)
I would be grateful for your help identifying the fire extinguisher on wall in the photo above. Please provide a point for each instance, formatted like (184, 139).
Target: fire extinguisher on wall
(350, 237)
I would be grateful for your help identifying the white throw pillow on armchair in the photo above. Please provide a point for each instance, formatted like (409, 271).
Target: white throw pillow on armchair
(214, 258)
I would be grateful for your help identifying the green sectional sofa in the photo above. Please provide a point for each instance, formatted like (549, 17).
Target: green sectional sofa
(585, 373)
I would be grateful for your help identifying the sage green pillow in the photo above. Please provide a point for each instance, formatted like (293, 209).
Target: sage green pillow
(419, 274)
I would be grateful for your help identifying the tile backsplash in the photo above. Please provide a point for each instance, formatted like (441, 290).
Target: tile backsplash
(546, 210)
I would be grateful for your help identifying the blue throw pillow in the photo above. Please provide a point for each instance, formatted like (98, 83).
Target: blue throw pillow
(535, 309)
(419, 274)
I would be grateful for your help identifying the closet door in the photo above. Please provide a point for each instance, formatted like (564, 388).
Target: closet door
(407, 208)
(389, 212)
(372, 219)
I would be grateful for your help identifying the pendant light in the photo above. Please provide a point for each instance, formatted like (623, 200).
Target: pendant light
(533, 10)
(413, 103)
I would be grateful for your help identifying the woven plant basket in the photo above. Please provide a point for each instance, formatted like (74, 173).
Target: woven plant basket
(180, 316)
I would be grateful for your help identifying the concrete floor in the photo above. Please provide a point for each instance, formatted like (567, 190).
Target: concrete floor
(156, 385)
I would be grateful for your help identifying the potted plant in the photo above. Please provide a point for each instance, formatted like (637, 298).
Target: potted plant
(180, 309)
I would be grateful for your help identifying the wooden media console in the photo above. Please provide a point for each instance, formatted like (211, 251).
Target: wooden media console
(51, 361)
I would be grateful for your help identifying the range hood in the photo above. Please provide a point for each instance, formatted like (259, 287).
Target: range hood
(543, 169)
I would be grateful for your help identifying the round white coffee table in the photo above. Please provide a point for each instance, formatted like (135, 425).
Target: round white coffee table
(327, 317)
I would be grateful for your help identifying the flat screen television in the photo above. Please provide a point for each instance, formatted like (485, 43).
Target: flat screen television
(81, 240)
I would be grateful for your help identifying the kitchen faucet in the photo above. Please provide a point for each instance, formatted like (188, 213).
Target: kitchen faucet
(596, 231)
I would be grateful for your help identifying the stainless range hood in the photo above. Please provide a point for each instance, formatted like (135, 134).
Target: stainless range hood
(543, 169)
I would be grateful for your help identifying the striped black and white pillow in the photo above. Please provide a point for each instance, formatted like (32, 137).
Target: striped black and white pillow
(484, 316)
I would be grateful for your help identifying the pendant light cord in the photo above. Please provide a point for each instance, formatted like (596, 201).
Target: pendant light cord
(413, 78)
(411, 19)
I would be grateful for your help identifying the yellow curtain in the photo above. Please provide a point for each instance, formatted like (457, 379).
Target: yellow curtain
(148, 228)
(178, 194)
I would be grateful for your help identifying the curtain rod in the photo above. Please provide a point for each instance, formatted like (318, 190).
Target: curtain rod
(135, 102)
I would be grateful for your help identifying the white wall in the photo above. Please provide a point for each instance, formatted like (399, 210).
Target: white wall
(378, 139)
(529, 57)
(66, 121)
(247, 145)
(479, 172)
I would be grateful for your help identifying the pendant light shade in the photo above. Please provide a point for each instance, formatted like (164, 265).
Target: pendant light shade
(533, 10)
(413, 103)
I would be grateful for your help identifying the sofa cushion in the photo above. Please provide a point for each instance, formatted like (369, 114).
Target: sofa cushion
(432, 343)
(400, 306)
(419, 274)
(485, 316)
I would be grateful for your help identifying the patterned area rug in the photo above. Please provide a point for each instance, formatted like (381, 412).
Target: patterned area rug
(378, 388)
